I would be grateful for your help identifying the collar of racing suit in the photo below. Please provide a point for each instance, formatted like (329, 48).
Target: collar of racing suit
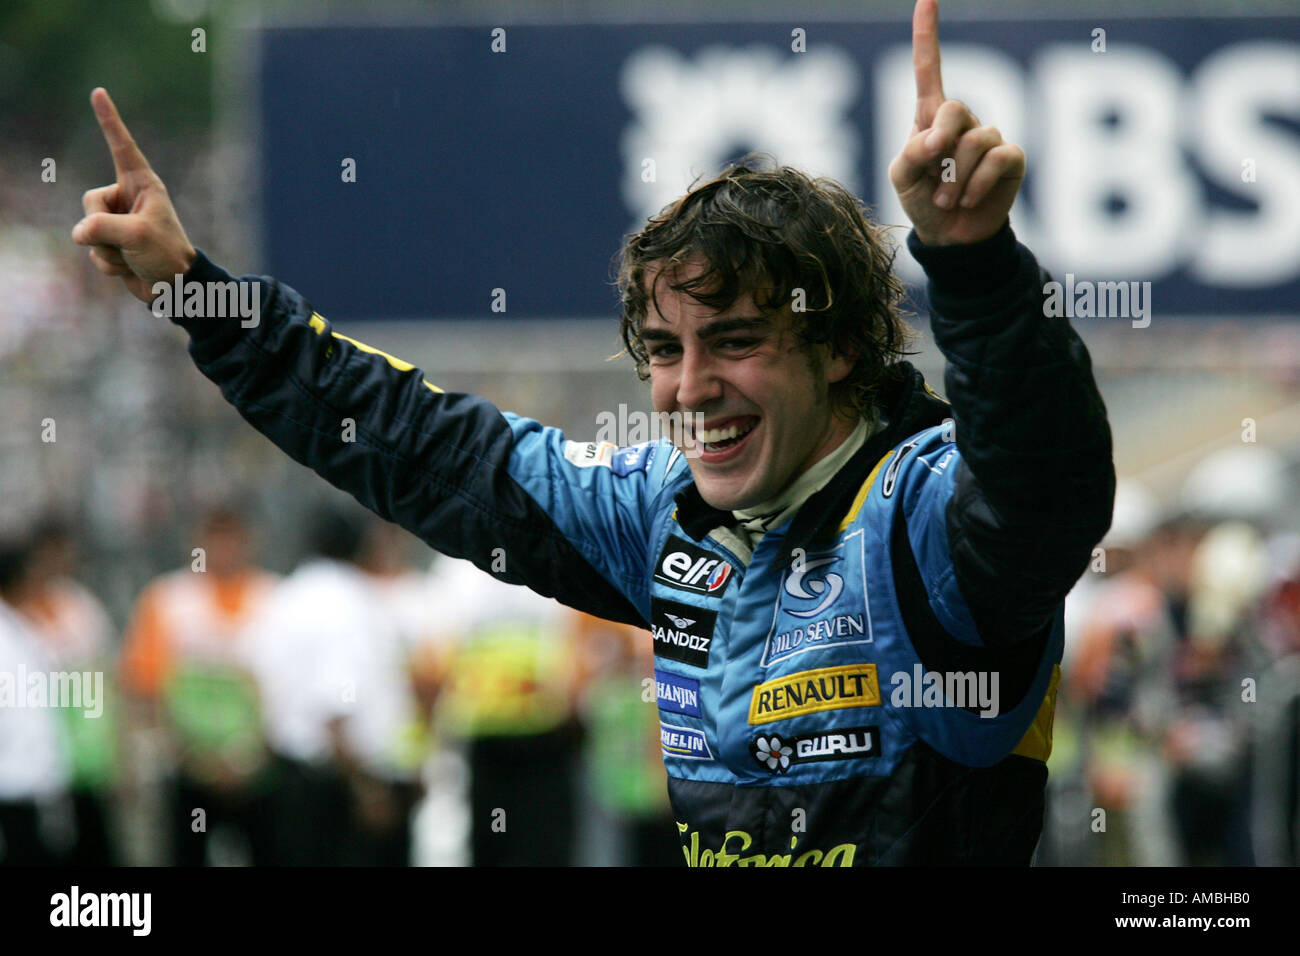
(754, 522)
(905, 405)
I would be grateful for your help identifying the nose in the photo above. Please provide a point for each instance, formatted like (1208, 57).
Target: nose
(698, 382)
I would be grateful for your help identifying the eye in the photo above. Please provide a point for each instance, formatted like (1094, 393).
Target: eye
(665, 351)
(737, 345)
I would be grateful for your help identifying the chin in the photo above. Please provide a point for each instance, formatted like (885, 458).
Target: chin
(726, 495)
(733, 489)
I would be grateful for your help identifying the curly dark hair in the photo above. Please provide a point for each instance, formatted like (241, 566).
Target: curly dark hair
(772, 232)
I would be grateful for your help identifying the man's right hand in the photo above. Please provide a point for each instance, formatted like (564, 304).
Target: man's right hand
(131, 226)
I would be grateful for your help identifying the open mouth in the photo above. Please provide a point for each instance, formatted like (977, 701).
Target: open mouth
(731, 434)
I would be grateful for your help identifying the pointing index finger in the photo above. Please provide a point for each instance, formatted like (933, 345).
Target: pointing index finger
(127, 158)
(925, 60)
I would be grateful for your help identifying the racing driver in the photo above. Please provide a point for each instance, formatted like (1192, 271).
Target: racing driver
(855, 588)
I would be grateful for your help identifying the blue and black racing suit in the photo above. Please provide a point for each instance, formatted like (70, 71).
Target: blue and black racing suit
(800, 720)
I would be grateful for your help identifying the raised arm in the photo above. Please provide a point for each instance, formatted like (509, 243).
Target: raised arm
(514, 497)
(1034, 487)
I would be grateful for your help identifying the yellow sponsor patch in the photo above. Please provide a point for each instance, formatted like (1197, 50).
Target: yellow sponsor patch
(808, 692)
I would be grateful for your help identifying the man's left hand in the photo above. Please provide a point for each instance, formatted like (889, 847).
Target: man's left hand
(955, 178)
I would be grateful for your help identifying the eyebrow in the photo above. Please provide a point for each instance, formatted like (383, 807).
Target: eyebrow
(710, 330)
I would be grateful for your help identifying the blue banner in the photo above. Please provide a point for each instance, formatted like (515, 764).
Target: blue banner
(455, 172)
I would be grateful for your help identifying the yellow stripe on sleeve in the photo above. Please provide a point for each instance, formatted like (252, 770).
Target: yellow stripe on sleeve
(318, 324)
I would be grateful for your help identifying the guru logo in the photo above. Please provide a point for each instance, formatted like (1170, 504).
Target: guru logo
(778, 753)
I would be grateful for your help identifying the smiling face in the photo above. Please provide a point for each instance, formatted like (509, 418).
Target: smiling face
(764, 398)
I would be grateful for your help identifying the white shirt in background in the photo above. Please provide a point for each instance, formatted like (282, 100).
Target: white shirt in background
(326, 646)
(33, 764)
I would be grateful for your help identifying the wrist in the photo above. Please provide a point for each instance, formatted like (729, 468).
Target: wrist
(968, 269)
(931, 240)
(185, 261)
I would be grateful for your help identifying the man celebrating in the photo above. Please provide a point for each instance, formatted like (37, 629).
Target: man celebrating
(855, 589)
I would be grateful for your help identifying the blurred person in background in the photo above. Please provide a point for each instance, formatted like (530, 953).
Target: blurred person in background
(183, 662)
(34, 773)
(623, 757)
(75, 627)
(1117, 694)
(403, 590)
(1275, 731)
(1233, 497)
(509, 685)
(1206, 741)
(331, 669)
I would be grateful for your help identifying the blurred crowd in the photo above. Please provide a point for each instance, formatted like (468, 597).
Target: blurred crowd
(358, 710)
(1177, 729)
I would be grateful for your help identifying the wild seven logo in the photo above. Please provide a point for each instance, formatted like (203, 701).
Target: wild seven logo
(824, 603)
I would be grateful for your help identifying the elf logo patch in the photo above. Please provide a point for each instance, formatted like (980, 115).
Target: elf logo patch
(683, 566)
(682, 632)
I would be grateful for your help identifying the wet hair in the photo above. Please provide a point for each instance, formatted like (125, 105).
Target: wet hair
(771, 232)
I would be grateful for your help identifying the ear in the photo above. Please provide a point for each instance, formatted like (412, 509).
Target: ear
(838, 367)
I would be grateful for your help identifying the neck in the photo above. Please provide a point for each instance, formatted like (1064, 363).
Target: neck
(836, 435)
(812, 479)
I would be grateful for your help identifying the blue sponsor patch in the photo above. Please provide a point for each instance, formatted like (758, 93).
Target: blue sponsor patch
(824, 603)
(633, 458)
(680, 695)
(683, 742)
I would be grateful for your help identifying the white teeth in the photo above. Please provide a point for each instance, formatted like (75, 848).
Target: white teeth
(711, 436)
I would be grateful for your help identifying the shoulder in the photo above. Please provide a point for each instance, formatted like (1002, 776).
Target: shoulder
(924, 461)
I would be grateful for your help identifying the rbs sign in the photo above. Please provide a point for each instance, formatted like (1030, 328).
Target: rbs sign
(1160, 151)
